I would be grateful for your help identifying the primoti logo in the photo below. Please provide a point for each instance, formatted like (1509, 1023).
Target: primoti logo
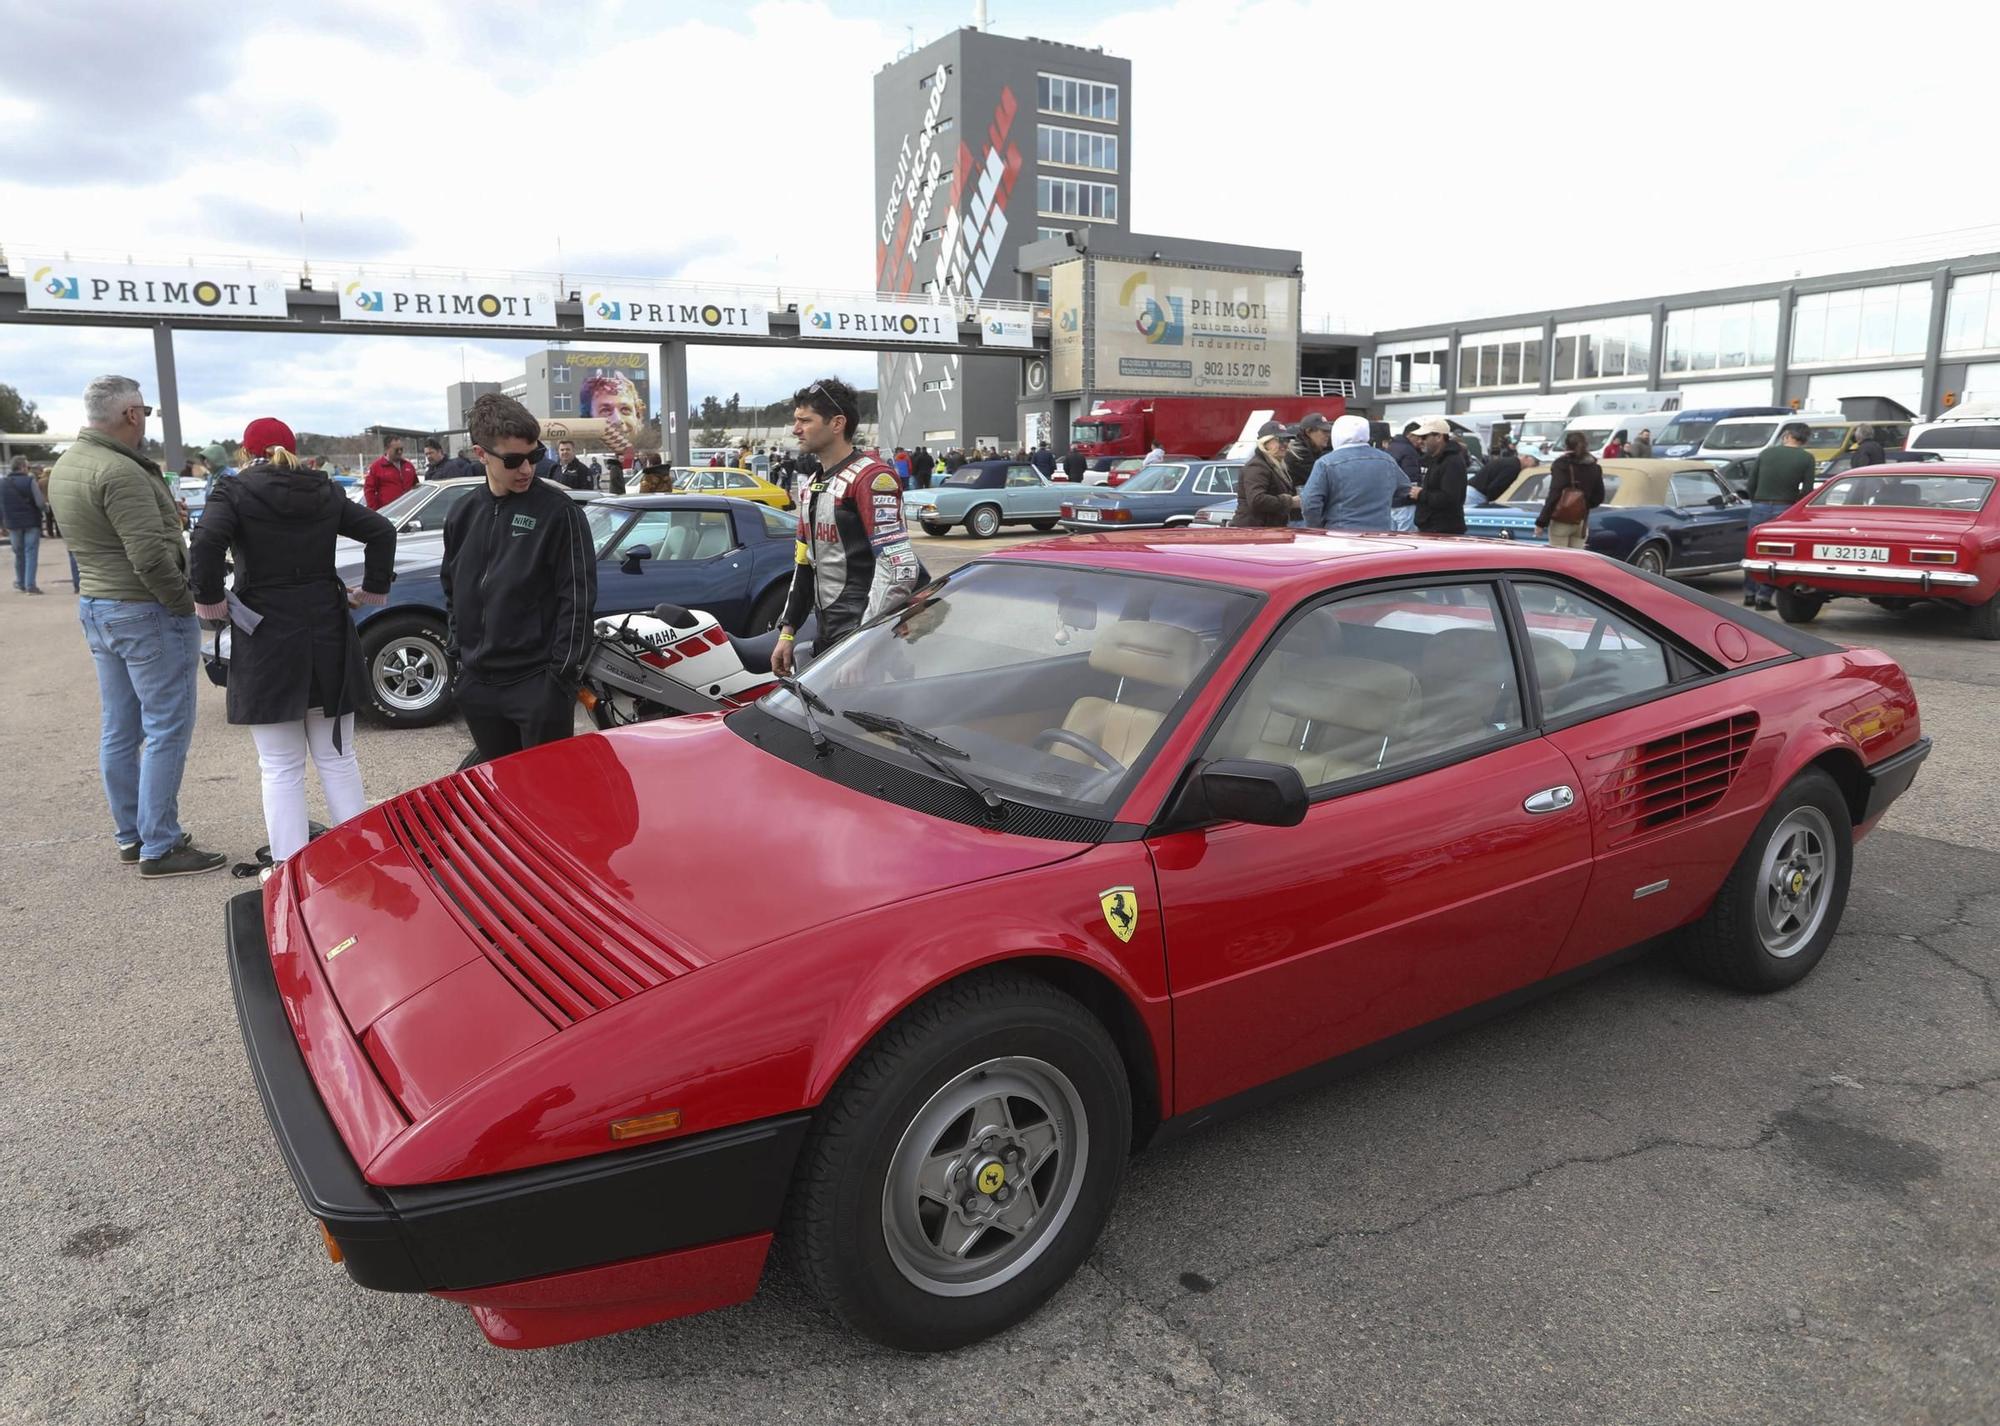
(56, 285)
(711, 315)
(609, 310)
(1066, 319)
(1162, 326)
(908, 324)
(822, 320)
(365, 300)
(997, 327)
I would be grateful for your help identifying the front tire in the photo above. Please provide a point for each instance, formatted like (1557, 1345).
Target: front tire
(1796, 607)
(964, 1164)
(1779, 907)
(983, 522)
(931, 527)
(1650, 558)
(409, 673)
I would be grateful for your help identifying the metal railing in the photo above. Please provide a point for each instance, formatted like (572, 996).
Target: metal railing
(1326, 386)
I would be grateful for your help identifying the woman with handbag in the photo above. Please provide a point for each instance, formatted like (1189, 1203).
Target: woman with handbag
(1576, 487)
(295, 674)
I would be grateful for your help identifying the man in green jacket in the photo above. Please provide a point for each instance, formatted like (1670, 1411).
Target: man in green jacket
(118, 516)
(1780, 477)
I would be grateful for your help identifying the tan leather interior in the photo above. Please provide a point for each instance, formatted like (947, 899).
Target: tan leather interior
(1555, 665)
(1154, 664)
(1330, 718)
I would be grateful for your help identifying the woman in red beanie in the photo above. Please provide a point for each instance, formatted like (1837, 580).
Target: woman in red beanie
(295, 674)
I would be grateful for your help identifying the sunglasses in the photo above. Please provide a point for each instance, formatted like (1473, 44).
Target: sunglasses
(143, 410)
(513, 462)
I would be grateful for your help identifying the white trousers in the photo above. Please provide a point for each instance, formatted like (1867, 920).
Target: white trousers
(281, 752)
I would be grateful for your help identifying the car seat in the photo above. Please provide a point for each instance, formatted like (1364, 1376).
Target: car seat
(1153, 663)
(1343, 713)
(712, 540)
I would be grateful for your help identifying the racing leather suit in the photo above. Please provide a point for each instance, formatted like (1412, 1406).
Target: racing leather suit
(854, 559)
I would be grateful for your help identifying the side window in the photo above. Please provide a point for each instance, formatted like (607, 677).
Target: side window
(678, 535)
(1378, 681)
(1210, 482)
(1020, 475)
(742, 482)
(1535, 488)
(648, 530)
(1585, 654)
(1689, 489)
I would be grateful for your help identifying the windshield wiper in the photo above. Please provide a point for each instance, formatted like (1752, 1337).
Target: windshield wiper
(919, 742)
(808, 701)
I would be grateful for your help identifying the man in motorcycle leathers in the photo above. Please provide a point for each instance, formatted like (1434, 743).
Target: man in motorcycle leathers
(854, 559)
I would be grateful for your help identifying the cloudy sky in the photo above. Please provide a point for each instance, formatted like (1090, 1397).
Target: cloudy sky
(1461, 160)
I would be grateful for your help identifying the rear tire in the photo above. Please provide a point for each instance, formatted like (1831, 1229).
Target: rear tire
(1043, 524)
(769, 610)
(983, 521)
(1779, 907)
(892, 1218)
(931, 527)
(1986, 619)
(1795, 607)
(409, 674)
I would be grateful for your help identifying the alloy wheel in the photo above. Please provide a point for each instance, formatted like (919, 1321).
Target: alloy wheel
(1793, 881)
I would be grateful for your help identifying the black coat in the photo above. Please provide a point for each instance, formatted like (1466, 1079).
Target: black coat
(1499, 472)
(1584, 473)
(282, 528)
(1867, 452)
(1406, 455)
(1441, 505)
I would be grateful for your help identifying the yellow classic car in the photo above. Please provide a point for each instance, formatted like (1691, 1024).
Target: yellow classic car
(730, 480)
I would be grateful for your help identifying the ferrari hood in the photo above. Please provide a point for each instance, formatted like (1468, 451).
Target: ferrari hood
(470, 918)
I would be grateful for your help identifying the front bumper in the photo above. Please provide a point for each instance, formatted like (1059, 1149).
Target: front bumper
(1891, 778)
(501, 1228)
(1918, 581)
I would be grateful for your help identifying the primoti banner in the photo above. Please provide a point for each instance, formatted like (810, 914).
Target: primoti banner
(1177, 329)
(879, 321)
(644, 309)
(218, 291)
(428, 301)
(1066, 327)
(999, 327)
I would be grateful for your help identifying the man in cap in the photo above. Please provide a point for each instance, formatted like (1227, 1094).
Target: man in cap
(1440, 495)
(1307, 445)
(1266, 498)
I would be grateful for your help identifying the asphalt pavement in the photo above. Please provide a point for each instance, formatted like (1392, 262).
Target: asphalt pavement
(1642, 1200)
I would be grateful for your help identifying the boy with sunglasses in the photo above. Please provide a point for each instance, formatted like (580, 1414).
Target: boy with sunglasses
(520, 582)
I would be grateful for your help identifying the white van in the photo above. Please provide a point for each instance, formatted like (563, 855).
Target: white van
(1543, 431)
(1599, 429)
(1970, 432)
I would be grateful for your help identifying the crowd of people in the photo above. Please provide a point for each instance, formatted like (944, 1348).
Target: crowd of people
(1351, 474)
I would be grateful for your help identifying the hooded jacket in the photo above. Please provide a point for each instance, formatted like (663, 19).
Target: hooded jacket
(1353, 485)
(282, 528)
(1441, 504)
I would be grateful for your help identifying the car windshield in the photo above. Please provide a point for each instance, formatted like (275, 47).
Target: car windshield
(1095, 432)
(1962, 436)
(1052, 685)
(1908, 492)
(1751, 436)
(966, 475)
(1544, 433)
(1596, 436)
(1822, 438)
(605, 520)
(403, 504)
(1685, 433)
(1157, 477)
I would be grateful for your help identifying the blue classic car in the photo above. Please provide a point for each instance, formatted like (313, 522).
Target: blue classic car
(983, 495)
(1664, 516)
(729, 557)
(1170, 493)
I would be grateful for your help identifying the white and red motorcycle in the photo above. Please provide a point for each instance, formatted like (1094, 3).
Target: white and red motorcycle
(671, 662)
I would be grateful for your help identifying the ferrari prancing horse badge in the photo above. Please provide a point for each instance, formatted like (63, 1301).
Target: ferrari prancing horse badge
(1121, 911)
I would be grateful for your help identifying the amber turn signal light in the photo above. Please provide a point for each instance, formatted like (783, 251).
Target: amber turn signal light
(332, 1248)
(587, 699)
(1933, 556)
(646, 1124)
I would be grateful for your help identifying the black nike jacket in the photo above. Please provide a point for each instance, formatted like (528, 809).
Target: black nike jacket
(520, 584)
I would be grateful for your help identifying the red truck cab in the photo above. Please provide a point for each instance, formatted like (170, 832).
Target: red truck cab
(1197, 425)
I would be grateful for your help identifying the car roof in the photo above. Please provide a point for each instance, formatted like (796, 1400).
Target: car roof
(1921, 470)
(671, 502)
(1270, 560)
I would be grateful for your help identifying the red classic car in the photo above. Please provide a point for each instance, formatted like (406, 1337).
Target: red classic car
(1895, 535)
(1094, 842)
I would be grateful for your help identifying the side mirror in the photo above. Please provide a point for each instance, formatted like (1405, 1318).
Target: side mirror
(673, 614)
(1263, 794)
(1721, 501)
(634, 557)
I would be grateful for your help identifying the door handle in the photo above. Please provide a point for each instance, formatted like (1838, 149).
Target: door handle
(1550, 799)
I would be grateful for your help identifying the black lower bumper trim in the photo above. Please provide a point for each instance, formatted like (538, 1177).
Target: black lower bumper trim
(1891, 778)
(503, 1227)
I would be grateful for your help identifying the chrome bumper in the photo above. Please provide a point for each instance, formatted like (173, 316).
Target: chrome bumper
(1922, 578)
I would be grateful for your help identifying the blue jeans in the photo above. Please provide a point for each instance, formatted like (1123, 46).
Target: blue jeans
(146, 659)
(27, 555)
(1760, 511)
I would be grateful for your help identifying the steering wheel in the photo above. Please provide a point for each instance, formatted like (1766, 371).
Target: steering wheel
(1081, 744)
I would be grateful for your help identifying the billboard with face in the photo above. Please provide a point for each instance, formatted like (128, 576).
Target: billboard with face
(611, 387)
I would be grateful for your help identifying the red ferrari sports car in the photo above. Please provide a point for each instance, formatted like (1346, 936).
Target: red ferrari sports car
(1895, 535)
(1095, 841)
